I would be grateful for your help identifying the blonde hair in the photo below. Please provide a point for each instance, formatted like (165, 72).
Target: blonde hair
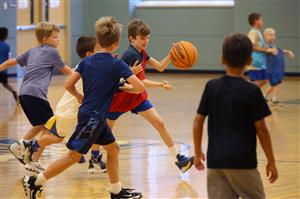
(268, 30)
(45, 29)
(108, 31)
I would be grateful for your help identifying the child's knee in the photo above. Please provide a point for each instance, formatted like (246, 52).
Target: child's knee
(113, 148)
(159, 123)
(74, 156)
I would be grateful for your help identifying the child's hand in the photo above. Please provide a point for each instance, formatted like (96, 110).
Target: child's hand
(199, 162)
(167, 85)
(273, 51)
(271, 172)
(126, 87)
(136, 68)
(290, 54)
(79, 98)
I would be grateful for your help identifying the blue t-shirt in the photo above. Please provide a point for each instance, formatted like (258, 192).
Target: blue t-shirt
(100, 74)
(4, 53)
(39, 64)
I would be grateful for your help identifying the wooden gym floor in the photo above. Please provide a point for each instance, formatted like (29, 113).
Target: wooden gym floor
(144, 161)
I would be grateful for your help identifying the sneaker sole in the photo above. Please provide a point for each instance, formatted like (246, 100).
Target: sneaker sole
(97, 171)
(20, 160)
(26, 186)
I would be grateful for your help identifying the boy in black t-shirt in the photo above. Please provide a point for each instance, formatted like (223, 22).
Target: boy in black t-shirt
(236, 110)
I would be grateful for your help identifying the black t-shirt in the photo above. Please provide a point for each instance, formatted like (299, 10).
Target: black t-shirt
(232, 105)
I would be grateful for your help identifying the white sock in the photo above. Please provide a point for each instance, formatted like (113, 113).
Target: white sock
(174, 151)
(40, 180)
(116, 187)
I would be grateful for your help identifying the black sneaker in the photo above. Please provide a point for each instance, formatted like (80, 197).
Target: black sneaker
(96, 164)
(125, 193)
(184, 163)
(31, 190)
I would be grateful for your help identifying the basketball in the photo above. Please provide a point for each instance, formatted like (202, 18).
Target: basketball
(184, 55)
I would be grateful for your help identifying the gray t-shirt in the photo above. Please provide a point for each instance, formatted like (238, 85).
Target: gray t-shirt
(39, 63)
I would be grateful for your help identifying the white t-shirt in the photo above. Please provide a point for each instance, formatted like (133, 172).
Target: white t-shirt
(68, 106)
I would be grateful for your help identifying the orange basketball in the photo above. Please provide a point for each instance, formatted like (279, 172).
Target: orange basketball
(184, 55)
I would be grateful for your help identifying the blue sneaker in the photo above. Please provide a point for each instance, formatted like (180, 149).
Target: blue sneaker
(184, 163)
(30, 189)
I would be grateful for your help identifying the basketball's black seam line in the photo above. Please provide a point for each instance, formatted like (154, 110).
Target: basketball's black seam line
(179, 59)
(186, 53)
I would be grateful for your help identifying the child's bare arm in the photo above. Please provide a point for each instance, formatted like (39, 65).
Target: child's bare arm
(289, 53)
(197, 135)
(165, 84)
(70, 86)
(159, 65)
(66, 70)
(265, 141)
(8, 64)
(136, 86)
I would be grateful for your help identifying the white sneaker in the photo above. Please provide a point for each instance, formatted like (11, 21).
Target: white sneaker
(276, 102)
(35, 166)
(16, 150)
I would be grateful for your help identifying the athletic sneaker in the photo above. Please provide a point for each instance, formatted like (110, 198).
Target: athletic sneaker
(31, 190)
(184, 163)
(96, 164)
(27, 150)
(35, 166)
(16, 150)
(125, 193)
(275, 102)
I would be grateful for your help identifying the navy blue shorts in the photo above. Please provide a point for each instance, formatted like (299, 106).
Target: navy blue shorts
(256, 75)
(90, 130)
(37, 110)
(3, 78)
(275, 78)
(144, 106)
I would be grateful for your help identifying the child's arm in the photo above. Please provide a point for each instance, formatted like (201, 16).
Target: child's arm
(289, 53)
(66, 70)
(165, 84)
(159, 65)
(136, 86)
(265, 141)
(70, 86)
(8, 64)
(197, 135)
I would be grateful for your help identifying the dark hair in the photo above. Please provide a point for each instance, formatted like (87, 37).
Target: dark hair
(138, 27)
(237, 49)
(3, 33)
(253, 17)
(85, 44)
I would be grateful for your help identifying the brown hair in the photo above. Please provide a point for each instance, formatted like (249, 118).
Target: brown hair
(85, 44)
(253, 17)
(108, 31)
(237, 49)
(138, 27)
(45, 29)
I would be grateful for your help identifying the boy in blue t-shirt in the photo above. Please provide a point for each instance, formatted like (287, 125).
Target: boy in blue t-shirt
(257, 69)
(4, 55)
(100, 75)
(236, 111)
(275, 66)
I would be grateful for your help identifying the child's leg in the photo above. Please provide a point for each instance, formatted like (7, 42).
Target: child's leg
(60, 165)
(34, 131)
(260, 83)
(158, 123)
(247, 183)
(269, 91)
(112, 162)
